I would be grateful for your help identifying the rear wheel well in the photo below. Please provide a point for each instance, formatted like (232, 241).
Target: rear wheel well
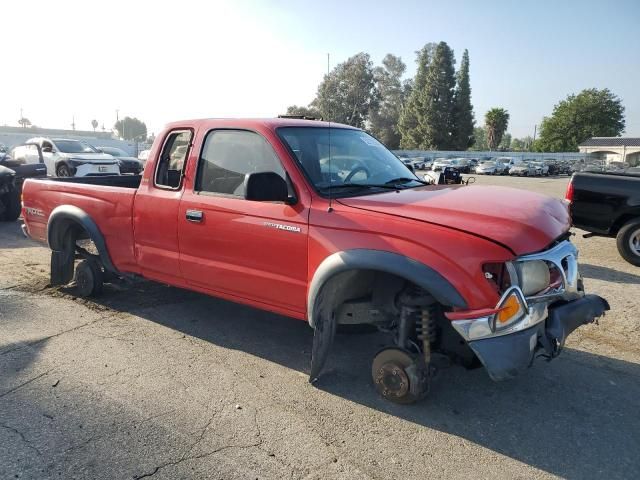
(69, 239)
(622, 220)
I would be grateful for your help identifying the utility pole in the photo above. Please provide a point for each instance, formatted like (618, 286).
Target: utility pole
(73, 122)
(535, 131)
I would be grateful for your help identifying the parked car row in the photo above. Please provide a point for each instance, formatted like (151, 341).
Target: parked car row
(63, 157)
(494, 165)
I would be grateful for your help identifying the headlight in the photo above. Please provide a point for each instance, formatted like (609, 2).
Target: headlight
(533, 276)
(77, 161)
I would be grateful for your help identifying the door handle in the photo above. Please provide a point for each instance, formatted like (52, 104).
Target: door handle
(194, 215)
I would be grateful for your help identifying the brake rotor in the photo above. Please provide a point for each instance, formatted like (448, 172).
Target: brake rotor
(398, 375)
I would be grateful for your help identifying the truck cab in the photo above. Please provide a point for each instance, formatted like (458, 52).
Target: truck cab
(320, 222)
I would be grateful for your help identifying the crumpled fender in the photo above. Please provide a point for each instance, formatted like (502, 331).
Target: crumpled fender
(320, 307)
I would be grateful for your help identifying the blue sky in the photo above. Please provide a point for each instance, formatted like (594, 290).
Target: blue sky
(232, 58)
(525, 56)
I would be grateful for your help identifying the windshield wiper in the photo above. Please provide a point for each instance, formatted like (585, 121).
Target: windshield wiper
(359, 185)
(405, 180)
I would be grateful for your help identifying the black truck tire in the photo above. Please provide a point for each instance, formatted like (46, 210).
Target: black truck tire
(89, 278)
(63, 170)
(628, 241)
(12, 205)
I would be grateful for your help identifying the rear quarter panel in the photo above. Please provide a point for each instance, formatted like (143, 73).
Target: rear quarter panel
(109, 207)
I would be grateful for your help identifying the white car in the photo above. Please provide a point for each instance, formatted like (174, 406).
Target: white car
(489, 168)
(143, 156)
(65, 157)
(440, 163)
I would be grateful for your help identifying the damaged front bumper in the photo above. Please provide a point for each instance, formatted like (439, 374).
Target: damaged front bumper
(548, 320)
(506, 356)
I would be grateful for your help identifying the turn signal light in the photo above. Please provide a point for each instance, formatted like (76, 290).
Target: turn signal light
(511, 310)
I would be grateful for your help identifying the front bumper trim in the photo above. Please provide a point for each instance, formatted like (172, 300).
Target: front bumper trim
(505, 356)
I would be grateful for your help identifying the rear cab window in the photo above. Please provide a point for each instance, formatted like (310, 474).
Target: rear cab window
(172, 160)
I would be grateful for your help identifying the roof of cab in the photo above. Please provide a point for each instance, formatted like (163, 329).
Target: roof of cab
(252, 123)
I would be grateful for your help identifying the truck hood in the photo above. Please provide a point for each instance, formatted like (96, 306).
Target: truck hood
(523, 221)
(90, 157)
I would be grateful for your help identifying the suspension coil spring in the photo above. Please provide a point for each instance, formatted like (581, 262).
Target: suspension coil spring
(426, 330)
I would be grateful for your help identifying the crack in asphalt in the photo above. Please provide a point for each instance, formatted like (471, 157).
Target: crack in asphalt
(23, 437)
(49, 337)
(186, 457)
(24, 384)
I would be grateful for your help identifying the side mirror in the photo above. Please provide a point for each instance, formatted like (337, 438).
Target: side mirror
(410, 167)
(266, 187)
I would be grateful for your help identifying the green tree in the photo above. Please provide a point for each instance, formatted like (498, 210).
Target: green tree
(496, 122)
(130, 128)
(480, 139)
(591, 113)
(438, 99)
(348, 93)
(412, 126)
(303, 111)
(427, 121)
(94, 124)
(522, 144)
(462, 134)
(505, 143)
(383, 121)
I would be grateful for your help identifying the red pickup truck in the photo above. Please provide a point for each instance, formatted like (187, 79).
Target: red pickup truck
(320, 222)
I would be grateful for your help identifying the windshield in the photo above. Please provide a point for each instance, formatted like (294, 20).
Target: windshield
(340, 157)
(116, 152)
(488, 164)
(74, 146)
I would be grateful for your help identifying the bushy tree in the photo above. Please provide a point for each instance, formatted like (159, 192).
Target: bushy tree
(24, 122)
(496, 122)
(427, 121)
(480, 139)
(412, 126)
(130, 128)
(462, 134)
(94, 124)
(348, 93)
(591, 113)
(438, 99)
(303, 111)
(505, 143)
(383, 121)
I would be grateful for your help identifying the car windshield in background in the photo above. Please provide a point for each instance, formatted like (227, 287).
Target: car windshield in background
(116, 152)
(340, 158)
(74, 146)
(488, 164)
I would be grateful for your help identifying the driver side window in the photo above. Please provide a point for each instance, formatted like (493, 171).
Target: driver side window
(228, 155)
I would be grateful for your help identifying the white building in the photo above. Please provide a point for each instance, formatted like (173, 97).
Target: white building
(613, 149)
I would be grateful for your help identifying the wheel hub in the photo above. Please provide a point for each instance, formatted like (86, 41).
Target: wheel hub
(634, 242)
(392, 381)
(399, 375)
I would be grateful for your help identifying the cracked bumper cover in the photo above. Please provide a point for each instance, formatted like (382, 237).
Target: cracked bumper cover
(506, 356)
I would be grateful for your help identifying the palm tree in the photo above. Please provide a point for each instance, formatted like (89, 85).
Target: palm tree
(496, 122)
(94, 124)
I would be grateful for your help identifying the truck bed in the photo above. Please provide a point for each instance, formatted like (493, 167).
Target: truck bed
(108, 200)
(602, 202)
(125, 181)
